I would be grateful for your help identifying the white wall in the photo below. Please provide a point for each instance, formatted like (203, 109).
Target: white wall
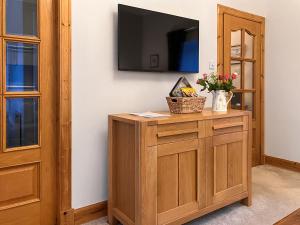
(99, 88)
(282, 80)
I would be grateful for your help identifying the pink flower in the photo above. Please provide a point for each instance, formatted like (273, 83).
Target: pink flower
(234, 76)
(227, 76)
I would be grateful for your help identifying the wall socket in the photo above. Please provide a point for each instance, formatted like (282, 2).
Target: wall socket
(212, 65)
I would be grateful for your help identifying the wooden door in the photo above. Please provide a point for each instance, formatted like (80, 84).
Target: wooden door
(28, 113)
(227, 166)
(180, 179)
(242, 52)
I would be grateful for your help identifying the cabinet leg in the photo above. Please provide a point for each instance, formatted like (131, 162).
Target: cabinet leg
(247, 201)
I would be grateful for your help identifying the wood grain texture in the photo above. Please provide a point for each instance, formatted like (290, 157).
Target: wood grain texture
(124, 152)
(177, 132)
(228, 125)
(227, 138)
(167, 181)
(235, 163)
(177, 147)
(23, 216)
(220, 168)
(201, 174)
(147, 188)
(231, 11)
(176, 127)
(247, 163)
(49, 111)
(283, 163)
(22, 185)
(262, 88)
(89, 213)
(110, 205)
(65, 212)
(227, 166)
(292, 219)
(176, 213)
(187, 177)
(177, 180)
(177, 138)
(207, 115)
(121, 218)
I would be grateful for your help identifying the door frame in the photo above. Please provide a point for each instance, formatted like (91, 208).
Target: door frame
(65, 214)
(222, 10)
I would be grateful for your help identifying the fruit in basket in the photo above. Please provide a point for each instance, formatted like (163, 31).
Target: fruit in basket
(189, 92)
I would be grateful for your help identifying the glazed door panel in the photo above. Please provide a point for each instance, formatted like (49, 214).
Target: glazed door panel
(28, 113)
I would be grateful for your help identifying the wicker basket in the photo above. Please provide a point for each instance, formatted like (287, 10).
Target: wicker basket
(180, 105)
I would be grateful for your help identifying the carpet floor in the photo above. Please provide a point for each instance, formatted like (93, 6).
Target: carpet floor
(276, 193)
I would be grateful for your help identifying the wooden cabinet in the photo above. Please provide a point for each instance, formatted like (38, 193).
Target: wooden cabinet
(174, 169)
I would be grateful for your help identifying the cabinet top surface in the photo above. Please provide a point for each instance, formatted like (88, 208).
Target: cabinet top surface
(205, 115)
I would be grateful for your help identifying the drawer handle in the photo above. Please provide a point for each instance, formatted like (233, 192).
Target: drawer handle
(176, 132)
(228, 125)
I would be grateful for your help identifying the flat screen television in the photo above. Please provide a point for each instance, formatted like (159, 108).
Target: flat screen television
(156, 42)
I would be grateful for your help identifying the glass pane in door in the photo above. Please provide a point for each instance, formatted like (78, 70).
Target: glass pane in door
(236, 67)
(248, 77)
(248, 102)
(21, 17)
(236, 101)
(249, 45)
(236, 43)
(21, 122)
(21, 67)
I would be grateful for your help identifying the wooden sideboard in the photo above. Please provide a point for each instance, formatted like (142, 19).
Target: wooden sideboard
(174, 169)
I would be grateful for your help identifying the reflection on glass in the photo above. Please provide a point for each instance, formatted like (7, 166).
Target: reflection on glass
(183, 48)
(248, 84)
(21, 122)
(236, 43)
(249, 45)
(21, 17)
(236, 67)
(248, 101)
(236, 101)
(21, 66)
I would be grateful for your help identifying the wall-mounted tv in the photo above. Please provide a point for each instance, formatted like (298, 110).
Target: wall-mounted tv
(156, 42)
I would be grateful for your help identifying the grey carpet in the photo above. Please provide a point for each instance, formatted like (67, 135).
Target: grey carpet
(276, 193)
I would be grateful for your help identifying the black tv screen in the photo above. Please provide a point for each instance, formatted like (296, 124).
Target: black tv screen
(156, 42)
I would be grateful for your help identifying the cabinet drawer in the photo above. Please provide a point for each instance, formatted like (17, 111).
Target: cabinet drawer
(178, 147)
(174, 132)
(230, 125)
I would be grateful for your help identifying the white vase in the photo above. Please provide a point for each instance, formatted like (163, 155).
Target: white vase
(220, 101)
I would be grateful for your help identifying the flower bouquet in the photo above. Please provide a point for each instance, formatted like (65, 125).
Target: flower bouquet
(219, 85)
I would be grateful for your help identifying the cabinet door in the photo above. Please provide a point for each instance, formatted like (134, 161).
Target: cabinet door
(180, 179)
(227, 166)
